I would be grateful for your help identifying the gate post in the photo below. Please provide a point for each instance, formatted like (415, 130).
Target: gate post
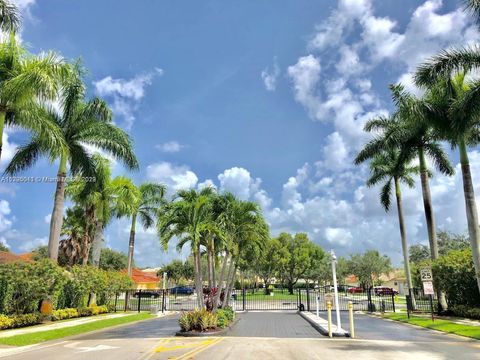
(127, 299)
(243, 299)
(163, 301)
(139, 299)
(308, 299)
(116, 300)
(369, 299)
(393, 302)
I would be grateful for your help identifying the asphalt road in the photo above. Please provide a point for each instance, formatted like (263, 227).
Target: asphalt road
(272, 335)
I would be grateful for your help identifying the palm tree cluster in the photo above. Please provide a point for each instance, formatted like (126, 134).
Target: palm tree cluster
(448, 112)
(222, 228)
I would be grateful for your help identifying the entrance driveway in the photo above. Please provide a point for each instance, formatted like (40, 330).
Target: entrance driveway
(273, 324)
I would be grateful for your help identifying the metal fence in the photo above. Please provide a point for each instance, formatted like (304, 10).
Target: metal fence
(418, 301)
(259, 299)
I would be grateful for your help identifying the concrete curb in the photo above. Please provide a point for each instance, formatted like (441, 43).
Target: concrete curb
(320, 324)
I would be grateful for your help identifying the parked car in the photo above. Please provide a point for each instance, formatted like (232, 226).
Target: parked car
(147, 294)
(383, 290)
(355, 290)
(183, 290)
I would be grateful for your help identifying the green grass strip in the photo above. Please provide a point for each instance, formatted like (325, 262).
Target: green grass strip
(439, 324)
(41, 336)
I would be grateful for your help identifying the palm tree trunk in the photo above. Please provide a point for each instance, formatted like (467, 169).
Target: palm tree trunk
(56, 220)
(198, 277)
(212, 254)
(403, 236)
(220, 284)
(209, 265)
(227, 281)
(131, 244)
(471, 209)
(430, 220)
(230, 285)
(97, 243)
(2, 127)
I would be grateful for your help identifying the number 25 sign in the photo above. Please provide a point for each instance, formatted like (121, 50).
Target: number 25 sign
(426, 274)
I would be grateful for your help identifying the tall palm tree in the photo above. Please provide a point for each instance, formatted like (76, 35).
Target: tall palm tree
(188, 218)
(82, 123)
(9, 16)
(26, 81)
(456, 120)
(151, 197)
(392, 167)
(409, 129)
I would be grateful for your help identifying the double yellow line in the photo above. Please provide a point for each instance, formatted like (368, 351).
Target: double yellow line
(199, 347)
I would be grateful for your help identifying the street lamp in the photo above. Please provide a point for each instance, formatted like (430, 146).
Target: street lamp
(334, 272)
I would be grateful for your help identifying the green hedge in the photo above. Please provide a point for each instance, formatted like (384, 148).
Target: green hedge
(17, 321)
(465, 311)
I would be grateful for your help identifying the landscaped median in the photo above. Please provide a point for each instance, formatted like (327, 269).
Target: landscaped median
(45, 335)
(447, 326)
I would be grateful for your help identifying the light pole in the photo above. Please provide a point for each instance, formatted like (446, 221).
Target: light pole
(335, 289)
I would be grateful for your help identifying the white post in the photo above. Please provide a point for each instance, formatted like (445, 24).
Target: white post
(334, 272)
(164, 280)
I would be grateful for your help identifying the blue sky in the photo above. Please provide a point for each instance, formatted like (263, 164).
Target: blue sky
(263, 98)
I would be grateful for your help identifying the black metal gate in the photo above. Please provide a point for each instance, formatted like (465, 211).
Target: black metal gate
(261, 300)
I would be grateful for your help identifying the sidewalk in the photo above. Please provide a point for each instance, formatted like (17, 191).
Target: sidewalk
(58, 325)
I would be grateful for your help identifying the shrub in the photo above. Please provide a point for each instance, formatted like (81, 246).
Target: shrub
(465, 311)
(455, 274)
(25, 284)
(198, 320)
(26, 320)
(62, 314)
(5, 322)
(225, 317)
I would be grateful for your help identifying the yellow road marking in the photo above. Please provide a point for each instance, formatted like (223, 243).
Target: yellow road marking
(191, 353)
(175, 347)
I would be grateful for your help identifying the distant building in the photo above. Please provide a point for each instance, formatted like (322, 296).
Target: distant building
(6, 257)
(395, 279)
(145, 279)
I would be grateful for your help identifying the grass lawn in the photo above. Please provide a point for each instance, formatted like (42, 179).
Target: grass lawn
(41, 336)
(439, 324)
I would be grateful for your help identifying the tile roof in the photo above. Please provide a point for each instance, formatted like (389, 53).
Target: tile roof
(139, 276)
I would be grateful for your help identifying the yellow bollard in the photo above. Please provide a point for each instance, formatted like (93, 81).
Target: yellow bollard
(350, 313)
(329, 317)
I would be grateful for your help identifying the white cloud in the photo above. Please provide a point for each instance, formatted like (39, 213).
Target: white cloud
(239, 182)
(47, 218)
(125, 94)
(29, 245)
(175, 177)
(170, 147)
(269, 77)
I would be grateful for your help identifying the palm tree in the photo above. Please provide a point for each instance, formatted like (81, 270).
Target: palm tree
(107, 198)
(392, 166)
(26, 81)
(76, 244)
(247, 229)
(82, 123)
(9, 16)
(456, 120)
(188, 218)
(151, 197)
(409, 129)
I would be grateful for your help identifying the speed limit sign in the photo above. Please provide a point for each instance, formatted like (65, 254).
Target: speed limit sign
(426, 274)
